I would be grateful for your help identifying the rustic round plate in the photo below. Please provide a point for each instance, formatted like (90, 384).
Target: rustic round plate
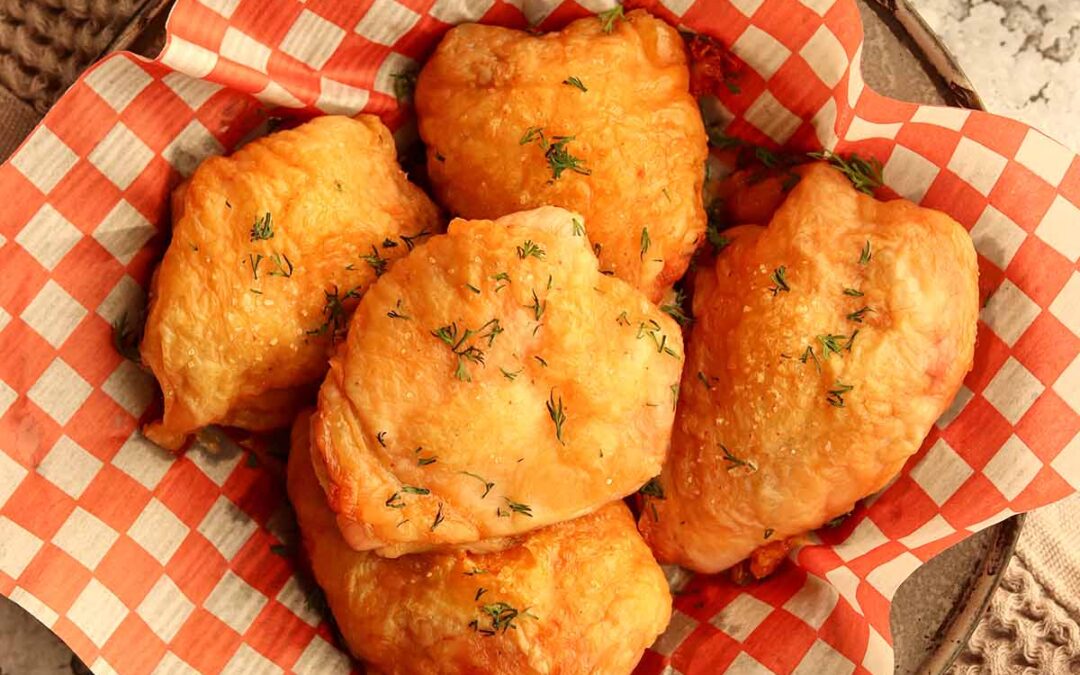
(938, 607)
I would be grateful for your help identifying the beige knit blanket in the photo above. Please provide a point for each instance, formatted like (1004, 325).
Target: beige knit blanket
(1031, 625)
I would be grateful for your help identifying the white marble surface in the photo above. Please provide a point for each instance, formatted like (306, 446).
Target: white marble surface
(1023, 56)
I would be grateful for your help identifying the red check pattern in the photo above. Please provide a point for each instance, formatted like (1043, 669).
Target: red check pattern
(143, 561)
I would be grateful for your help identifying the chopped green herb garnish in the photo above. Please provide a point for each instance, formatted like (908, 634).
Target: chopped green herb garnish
(487, 484)
(480, 591)
(779, 279)
(255, 259)
(530, 249)
(734, 461)
(530, 135)
(558, 157)
(438, 518)
(864, 174)
(858, 315)
(397, 312)
(575, 82)
(854, 293)
(523, 509)
(334, 311)
(389, 243)
(456, 339)
(509, 375)
(609, 17)
(410, 242)
(579, 227)
(809, 354)
(864, 255)
(283, 267)
(395, 502)
(537, 306)
(674, 309)
(830, 344)
(623, 319)
(424, 461)
(381, 438)
(645, 242)
(503, 280)
(263, 228)
(410, 490)
(835, 397)
(376, 261)
(769, 532)
(557, 415)
(472, 288)
(851, 341)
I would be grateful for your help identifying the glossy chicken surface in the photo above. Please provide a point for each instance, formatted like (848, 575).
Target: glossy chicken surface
(598, 122)
(823, 348)
(492, 382)
(583, 597)
(270, 247)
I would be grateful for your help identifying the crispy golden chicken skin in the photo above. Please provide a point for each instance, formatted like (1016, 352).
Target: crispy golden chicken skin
(602, 124)
(492, 382)
(824, 346)
(269, 249)
(583, 596)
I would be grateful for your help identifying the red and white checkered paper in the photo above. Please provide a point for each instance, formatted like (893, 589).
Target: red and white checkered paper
(144, 562)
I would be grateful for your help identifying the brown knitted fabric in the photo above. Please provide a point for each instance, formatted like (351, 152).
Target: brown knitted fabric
(45, 44)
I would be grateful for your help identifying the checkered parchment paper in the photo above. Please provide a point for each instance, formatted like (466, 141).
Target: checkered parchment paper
(145, 562)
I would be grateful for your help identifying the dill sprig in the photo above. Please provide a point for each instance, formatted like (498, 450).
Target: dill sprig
(487, 484)
(398, 312)
(575, 82)
(675, 310)
(736, 462)
(558, 157)
(502, 617)
(858, 315)
(646, 242)
(537, 306)
(835, 396)
(652, 329)
(410, 242)
(376, 261)
(609, 17)
(457, 338)
(334, 311)
(263, 228)
(864, 174)
(517, 507)
(555, 411)
(502, 280)
(853, 292)
(529, 248)
(283, 267)
(830, 344)
(779, 279)
(865, 254)
(509, 375)
(579, 227)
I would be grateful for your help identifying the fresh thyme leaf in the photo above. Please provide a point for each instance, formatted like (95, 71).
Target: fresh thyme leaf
(530, 249)
(537, 307)
(510, 376)
(263, 228)
(575, 82)
(283, 267)
(523, 509)
(381, 438)
(579, 227)
(472, 288)
(126, 338)
(503, 280)
(438, 518)
(864, 174)
(557, 415)
(779, 279)
(830, 344)
(410, 242)
(404, 85)
(736, 462)
(609, 17)
(652, 488)
(255, 259)
(769, 532)
(865, 255)
(487, 484)
(376, 261)
(852, 292)
(857, 315)
(410, 490)
(397, 312)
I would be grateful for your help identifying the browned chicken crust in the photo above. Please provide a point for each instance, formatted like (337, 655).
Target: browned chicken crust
(493, 102)
(268, 251)
(492, 382)
(583, 596)
(824, 346)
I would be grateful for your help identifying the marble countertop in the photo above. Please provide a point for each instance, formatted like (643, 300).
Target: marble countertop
(1023, 56)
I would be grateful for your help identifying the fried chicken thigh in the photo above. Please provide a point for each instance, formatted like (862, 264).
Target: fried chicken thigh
(600, 123)
(823, 348)
(584, 596)
(269, 249)
(492, 382)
